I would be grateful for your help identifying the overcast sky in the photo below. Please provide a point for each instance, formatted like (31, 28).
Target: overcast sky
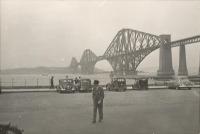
(50, 33)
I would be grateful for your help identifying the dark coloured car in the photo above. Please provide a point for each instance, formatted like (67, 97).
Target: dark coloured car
(66, 86)
(117, 84)
(140, 84)
(7, 128)
(85, 85)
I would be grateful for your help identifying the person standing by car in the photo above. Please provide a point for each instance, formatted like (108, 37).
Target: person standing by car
(97, 96)
(76, 84)
(79, 84)
(76, 80)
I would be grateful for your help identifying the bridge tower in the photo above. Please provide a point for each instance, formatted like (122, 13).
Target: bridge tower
(182, 70)
(74, 65)
(88, 61)
(165, 59)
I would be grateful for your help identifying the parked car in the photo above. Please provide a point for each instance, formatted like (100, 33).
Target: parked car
(85, 85)
(140, 84)
(7, 128)
(180, 83)
(172, 84)
(66, 86)
(117, 84)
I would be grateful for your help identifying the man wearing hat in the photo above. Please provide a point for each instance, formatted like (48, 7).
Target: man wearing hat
(98, 96)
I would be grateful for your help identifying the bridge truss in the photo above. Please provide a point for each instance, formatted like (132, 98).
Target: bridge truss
(186, 41)
(128, 49)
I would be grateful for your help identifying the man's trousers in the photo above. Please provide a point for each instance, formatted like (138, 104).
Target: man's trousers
(98, 107)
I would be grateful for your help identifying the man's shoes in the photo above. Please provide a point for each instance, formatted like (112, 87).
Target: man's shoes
(93, 122)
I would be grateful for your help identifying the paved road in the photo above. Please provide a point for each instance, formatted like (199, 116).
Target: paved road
(133, 112)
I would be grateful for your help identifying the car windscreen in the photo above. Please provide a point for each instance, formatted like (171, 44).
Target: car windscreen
(68, 81)
(85, 81)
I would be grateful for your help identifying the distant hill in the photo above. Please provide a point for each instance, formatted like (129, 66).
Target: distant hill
(42, 70)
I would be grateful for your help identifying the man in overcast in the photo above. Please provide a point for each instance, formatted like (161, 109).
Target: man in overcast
(98, 96)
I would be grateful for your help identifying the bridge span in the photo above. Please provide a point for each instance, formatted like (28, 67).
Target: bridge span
(130, 47)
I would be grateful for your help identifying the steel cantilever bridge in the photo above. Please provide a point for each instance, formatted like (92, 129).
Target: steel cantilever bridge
(130, 47)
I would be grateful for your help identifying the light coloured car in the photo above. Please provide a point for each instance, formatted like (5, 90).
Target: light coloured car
(181, 82)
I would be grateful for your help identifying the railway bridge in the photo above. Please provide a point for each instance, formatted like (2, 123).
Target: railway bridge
(130, 47)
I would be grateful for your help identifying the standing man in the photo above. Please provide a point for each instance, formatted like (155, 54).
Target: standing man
(76, 83)
(98, 96)
(52, 85)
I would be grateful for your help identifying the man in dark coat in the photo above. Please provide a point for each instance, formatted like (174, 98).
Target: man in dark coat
(98, 96)
(52, 84)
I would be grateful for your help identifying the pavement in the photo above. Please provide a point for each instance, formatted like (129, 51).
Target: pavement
(132, 112)
(28, 90)
(54, 90)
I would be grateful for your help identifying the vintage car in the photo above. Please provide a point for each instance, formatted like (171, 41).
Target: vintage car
(117, 84)
(180, 83)
(7, 128)
(140, 84)
(85, 85)
(66, 86)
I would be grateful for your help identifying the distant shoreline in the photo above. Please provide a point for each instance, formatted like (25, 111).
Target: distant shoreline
(66, 70)
(42, 71)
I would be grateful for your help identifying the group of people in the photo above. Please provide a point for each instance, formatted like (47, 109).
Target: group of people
(77, 83)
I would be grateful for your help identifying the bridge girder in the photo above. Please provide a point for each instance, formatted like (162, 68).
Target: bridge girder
(185, 41)
(129, 48)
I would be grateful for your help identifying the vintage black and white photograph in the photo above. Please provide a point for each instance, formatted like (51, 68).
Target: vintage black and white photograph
(99, 67)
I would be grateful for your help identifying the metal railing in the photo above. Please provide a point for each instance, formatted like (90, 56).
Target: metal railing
(15, 83)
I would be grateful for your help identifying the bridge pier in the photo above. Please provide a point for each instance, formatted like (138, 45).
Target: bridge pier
(165, 59)
(182, 70)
